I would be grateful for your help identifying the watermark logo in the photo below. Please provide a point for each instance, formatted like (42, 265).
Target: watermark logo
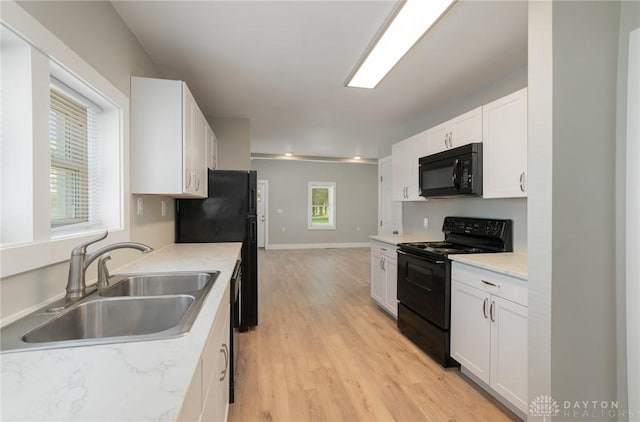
(544, 406)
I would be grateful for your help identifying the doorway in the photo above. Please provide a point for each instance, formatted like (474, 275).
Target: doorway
(263, 201)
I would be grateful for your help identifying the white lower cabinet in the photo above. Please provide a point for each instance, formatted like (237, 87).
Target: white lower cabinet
(489, 330)
(208, 396)
(384, 276)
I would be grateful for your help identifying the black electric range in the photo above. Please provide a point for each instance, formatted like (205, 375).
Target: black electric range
(424, 279)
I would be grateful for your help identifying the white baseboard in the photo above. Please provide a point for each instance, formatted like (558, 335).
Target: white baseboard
(318, 245)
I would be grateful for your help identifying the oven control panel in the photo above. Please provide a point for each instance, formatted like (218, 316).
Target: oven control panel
(475, 226)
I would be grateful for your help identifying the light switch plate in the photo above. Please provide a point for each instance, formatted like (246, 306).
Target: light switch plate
(140, 207)
(425, 222)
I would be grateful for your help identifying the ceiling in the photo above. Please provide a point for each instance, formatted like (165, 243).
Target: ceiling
(283, 65)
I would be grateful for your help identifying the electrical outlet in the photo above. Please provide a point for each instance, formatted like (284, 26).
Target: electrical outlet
(163, 208)
(425, 222)
(140, 207)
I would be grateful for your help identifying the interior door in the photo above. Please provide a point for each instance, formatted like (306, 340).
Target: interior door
(261, 212)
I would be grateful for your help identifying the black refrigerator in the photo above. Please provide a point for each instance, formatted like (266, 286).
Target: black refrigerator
(227, 215)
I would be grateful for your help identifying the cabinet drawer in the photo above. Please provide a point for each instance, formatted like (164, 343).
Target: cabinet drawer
(384, 249)
(494, 283)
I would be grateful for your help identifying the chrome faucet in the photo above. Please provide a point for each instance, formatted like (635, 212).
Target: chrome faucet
(80, 261)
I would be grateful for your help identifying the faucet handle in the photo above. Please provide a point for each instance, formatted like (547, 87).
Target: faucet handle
(103, 272)
(81, 249)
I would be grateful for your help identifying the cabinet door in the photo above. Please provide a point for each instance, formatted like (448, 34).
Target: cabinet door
(199, 155)
(391, 301)
(217, 396)
(189, 125)
(212, 149)
(437, 138)
(471, 329)
(401, 153)
(389, 211)
(378, 278)
(505, 147)
(466, 128)
(509, 351)
(419, 148)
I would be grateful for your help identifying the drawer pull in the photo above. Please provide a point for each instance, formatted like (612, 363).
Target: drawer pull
(488, 283)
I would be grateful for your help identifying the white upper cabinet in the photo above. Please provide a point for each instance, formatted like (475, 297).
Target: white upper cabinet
(404, 158)
(169, 140)
(462, 130)
(505, 147)
(389, 211)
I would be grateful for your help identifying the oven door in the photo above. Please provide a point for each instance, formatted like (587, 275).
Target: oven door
(424, 288)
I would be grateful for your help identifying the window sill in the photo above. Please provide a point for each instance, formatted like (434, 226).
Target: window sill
(321, 228)
(18, 259)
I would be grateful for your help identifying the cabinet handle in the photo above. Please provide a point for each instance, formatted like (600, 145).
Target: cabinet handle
(522, 181)
(188, 180)
(446, 140)
(450, 139)
(488, 283)
(383, 261)
(197, 182)
(383, 249)
(225, 351)
(484, 307)
(492, 311)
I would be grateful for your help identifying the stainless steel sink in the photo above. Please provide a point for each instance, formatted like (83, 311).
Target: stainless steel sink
(135, 308)
(114, 318)
(157, 284)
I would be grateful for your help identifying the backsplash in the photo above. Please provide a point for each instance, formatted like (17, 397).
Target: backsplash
(413, 214)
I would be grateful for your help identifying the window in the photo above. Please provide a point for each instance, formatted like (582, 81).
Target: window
(63, 149)
(69, 152)
(322, 206)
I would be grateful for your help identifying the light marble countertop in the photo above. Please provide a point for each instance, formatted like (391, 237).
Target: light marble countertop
(394, 239)
(510, 263)
(144, 381)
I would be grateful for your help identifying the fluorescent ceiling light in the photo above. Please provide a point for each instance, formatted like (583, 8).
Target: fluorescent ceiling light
(357, 157)
(288, 154)
(414, 19)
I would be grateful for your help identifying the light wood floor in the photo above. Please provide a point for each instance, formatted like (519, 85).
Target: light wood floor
(323, 351)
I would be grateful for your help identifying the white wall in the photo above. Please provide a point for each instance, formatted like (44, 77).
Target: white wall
(629, 20)
(95, 32)
(234, 142)
(356, 199)
(573, 78)
(436, 209)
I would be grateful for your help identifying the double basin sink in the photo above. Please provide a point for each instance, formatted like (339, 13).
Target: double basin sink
(134, 308)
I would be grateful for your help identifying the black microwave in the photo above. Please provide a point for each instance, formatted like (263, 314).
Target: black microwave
(454, 172)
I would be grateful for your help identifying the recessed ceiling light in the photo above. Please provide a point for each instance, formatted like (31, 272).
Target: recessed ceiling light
(412, 21)
(288, 154)
(357, 157)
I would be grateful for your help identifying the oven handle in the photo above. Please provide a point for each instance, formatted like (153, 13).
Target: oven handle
(433, 261)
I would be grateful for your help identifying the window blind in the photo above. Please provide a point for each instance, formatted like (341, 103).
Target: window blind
(73, 149)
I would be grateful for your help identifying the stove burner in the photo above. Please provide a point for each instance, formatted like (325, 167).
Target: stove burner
(443, 248)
